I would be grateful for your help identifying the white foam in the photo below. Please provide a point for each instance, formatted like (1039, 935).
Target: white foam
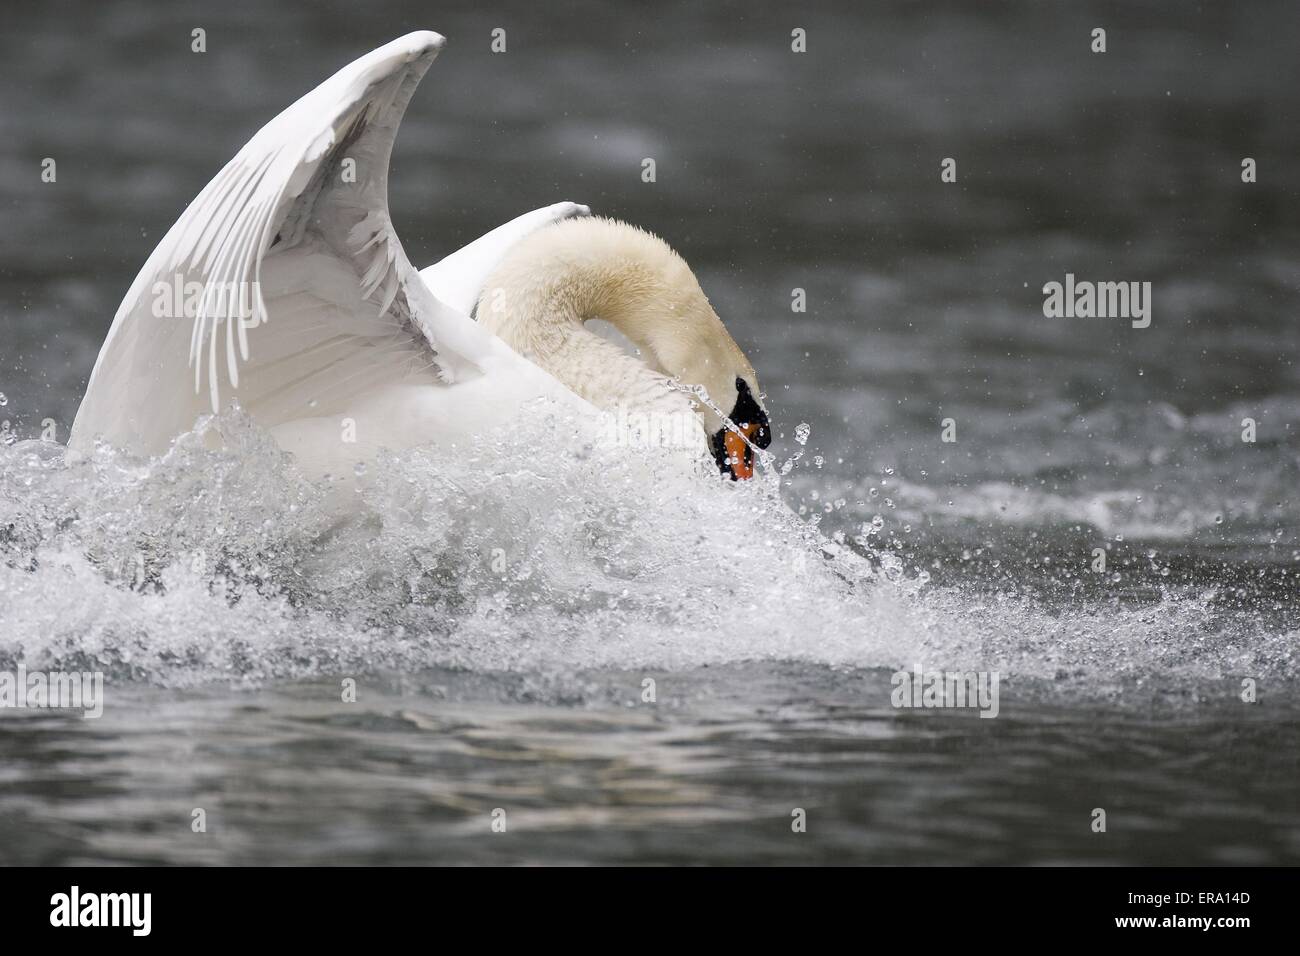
(517, 556)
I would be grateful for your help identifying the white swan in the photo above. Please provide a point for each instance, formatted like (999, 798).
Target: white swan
(283, 286)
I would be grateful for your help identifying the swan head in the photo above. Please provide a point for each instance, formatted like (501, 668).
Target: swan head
(557, 279)
(656, 301)
(733, 445)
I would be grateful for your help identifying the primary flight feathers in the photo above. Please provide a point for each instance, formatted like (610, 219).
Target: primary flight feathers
(284, 284)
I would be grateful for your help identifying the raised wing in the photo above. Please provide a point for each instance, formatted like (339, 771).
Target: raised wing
(283, 285)
(458, 279)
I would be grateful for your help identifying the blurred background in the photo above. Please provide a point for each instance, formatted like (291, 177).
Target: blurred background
(775, 171)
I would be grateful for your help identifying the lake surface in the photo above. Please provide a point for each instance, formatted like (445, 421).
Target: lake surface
(228, 616)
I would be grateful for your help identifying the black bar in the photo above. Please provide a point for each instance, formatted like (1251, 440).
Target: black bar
(941, 906)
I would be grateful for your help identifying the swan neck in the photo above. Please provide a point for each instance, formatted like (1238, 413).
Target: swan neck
(542, 312)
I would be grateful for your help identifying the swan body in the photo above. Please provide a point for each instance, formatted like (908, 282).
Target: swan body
(283, 287)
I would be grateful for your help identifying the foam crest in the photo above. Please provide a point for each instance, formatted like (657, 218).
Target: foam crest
(516, 555)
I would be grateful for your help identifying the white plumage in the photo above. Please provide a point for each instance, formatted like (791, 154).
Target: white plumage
(284, 287)
(302, 299)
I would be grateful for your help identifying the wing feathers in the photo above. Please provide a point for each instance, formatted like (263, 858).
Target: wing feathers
(291, 248)
(458, 279)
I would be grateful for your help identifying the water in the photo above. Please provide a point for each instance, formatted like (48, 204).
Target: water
(500, 630)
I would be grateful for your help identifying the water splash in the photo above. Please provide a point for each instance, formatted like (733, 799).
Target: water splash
(517, 556)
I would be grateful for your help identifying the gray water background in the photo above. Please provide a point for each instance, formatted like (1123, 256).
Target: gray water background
(774, 171)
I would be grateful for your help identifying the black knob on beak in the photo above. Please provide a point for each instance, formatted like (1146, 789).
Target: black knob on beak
(733, 454)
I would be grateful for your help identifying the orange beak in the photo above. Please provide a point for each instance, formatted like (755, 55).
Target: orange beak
(739, 454)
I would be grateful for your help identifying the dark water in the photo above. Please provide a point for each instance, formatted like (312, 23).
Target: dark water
(414, 775)
(775, 171)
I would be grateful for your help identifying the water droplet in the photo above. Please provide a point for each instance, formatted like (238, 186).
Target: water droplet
(801, 433)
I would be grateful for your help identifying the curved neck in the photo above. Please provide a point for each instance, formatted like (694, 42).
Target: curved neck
(541, 296)
(602, 372)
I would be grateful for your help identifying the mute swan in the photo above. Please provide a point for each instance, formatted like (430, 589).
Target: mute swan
(284, 286)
